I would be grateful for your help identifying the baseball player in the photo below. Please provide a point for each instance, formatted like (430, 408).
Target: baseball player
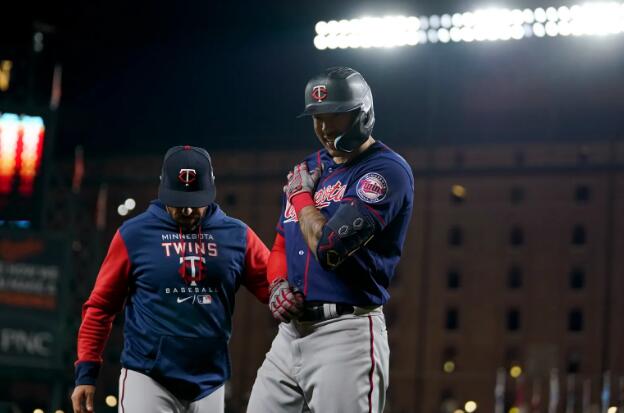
(344, 220)
(175, 268)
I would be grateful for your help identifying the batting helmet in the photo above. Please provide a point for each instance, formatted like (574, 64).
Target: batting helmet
(339, 90)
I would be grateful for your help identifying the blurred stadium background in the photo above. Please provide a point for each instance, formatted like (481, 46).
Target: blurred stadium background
(509, 295)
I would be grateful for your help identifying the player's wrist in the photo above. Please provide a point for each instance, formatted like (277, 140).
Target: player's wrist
(301, 200)
(277, 281)
(86, 372)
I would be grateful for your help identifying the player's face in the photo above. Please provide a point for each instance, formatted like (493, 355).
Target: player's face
(328, 126)
(187, 217)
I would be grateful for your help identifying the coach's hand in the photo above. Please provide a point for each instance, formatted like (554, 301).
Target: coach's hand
(82, 398)
(301, 180)
(285, 303)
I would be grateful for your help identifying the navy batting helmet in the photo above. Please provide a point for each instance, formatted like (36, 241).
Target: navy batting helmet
(339, 90)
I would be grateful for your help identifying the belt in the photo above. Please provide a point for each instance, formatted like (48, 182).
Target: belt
(327, 311)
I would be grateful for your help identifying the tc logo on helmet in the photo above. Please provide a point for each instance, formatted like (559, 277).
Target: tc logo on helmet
(319, 93)
(187, 176)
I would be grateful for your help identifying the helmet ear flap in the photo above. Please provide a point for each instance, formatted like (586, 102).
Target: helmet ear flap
(365, 117)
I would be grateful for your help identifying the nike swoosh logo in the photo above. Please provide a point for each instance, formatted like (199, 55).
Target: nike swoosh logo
(181, 300)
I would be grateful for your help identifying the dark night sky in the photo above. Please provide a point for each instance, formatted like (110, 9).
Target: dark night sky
(143, 77)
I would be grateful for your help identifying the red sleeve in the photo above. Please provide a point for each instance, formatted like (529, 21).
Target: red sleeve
(256, 257)
(106, 300)
(277, 267)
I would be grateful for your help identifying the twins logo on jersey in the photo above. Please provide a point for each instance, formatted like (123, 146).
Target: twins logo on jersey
(372, 188)
(322, 199)
(192, 269)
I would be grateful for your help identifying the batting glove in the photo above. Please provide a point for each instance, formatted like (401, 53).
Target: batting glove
(285, 303)
(301, 180)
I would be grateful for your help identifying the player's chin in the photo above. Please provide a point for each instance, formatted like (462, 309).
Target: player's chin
(335, 152)
(331, 149)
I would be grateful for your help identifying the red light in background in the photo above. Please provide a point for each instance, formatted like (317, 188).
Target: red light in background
(21, 147)
(32, 147)
(9, 136)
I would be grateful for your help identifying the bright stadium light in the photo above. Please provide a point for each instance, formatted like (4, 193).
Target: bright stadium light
(111, 401)
(122, 210)
(517, 32)
(444, 35)
(539, 30)
(540, 15)
(470, 406)
(332, 26)
(564, 29)
(495, 24)
(529, 16)
(552, 29)
(449, 366)
(457, 19)
(468, 34)
(456, 34)
(432, 36)
(434, 21)
(552, 14)
(468, 19)
(321, 28)
(564, 13)
(130, 204)
(320, 42)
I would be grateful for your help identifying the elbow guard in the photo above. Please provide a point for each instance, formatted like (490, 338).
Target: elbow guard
(345, 232)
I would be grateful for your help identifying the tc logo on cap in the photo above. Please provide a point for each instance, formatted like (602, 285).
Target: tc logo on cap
(319, 93)
(187, 176)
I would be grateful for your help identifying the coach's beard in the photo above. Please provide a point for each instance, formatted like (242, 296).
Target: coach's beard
(188, 224)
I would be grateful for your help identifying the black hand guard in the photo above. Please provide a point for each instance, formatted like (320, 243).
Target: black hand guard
(347, 231)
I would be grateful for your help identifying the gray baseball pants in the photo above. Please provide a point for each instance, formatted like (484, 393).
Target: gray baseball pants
(339, 366)
(139, 393)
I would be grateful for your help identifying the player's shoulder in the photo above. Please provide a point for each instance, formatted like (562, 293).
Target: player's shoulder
(316, 158)
(383, 159)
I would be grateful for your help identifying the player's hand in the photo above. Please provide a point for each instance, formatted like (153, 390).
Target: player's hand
(82, 398)
(285, 302)
(301, 180)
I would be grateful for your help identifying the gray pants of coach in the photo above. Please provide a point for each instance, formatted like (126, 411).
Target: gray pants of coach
(139, 393)
(339, 366)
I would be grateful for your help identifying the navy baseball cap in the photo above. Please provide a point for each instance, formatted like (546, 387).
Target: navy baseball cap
(187, 178)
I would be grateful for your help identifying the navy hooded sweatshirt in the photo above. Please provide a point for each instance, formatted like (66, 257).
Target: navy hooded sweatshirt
(178, 291)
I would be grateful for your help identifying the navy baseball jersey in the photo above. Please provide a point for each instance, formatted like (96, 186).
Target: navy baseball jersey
(178, 289)
(382, 181)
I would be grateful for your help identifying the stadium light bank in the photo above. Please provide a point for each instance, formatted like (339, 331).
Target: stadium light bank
(495, 24)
